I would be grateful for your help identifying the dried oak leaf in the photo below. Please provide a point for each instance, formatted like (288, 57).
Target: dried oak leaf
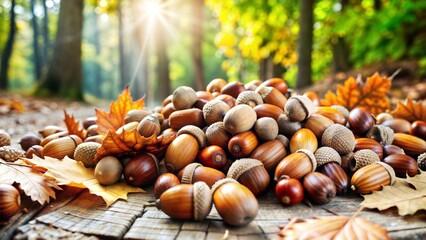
(114, 119)
(408, 195)
(371, 94)
(32, 181)
(73, 126)
(72, 173)
(410, 110)
(334, 227)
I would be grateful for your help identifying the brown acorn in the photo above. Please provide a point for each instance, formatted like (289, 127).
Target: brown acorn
(250, 98)
(266, 128)
(61, 147)
(52, 137)
(398, 125)
(272, 96)
(319, 187)
(299, 108)
(233, 89)
(360, 121)
(329, 162)
(10, 201)
(213, 156)
(268, 110)
(242, 144)
(228, 99)
(34, 150)
(240, 118)
(142, 170)
(49, 130)
(214, 111)
(277, 83)
(270, 153)
(89, 121)
(136, 115)
(250, 173)
(392, 149)
(383, 117)
(216, 134)
(343, 110)
(181, 118)
(167, 110)
(340, 138)
(164, 182)
(216, 85)
(418, 129)
(402, 164)
(204, 95)
(296, 165)
(372, 177)
(184, 98)
(108, 170)
(149, 126)
(29, 140)
(92, 130)
(331, 113)
(313, 96)
(367, 143)
(253, 84)
(303, 139)
(287, 127)
(412, 145)
(195, 172)
(318, 124)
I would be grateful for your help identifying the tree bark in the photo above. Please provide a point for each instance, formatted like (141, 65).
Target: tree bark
(340, 49)
(8, 48)
(197, 41)
(36, 48)
(97, 44)
(305, 40)
(46, 38)
(64, 74)
(123, 65)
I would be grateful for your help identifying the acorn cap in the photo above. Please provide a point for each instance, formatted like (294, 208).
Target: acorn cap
(421, 161)
(325, 155)
(202, 201)
(362, 158)
(221, 182)
(306, 103)
(382, 134)
(4, 138)
(85, 153)
(195, 132)
(390, 170)
(242, 165)
(340, 138)
(214, 105)
(246, 97)
(188, 173)
(311, 157)
(11, 154)
(264, 91)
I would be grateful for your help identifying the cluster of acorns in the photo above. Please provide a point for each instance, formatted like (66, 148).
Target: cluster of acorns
(233, 138)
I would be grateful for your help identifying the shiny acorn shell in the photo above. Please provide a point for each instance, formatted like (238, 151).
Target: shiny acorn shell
(182, 151)
(213, 156)
(216, 134)
(270, 153)
(186, 201)
(402, 164)
(196, 172)
(164, 182)
(234, 202)
(412, 145)
(319, 187)
(215, 85)
(360, 121)
(277, 83)
(335, 172)
(242, 144)
(318, 124)
(372, 178)
(272, 96)
(149, 126)
(296, 165)
(61, 147)
(268, 110)
(303, 139)
(240, 118)
(142, 170)
(10, 201)
(335, 115)
(250, 173)
(233, 89)
(181, 118)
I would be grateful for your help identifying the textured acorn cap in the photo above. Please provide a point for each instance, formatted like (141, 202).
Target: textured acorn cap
(211, 111)
(188, 172)
(295, 105)
(11, 154)
(222, 182)
(247, 97)
(202, 201)
(263, 91)
(339, 138)
(241, 166)
(362, 158)
(325, 155)
(421, 161)
(85, 153)
(390, 170)
(4, 138)
(382, 134)
(311, 157)
(195, 132)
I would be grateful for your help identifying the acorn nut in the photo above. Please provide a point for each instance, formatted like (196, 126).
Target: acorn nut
(108, 170)
(319, 187)
(10, 201)
(86, 152)
(296, 165)
(299, 108)
(213, 156)
(164, 182)
(29, 140)
(270, 153)
(61, 147)
(289, 191)
(240, 118)
(266, 128)
(196, 172)
(340, 138)
(242, 144)
(184, 97)
(372, 177)
(142, 170)
(303, 139)
(250, 173)
(402, 164)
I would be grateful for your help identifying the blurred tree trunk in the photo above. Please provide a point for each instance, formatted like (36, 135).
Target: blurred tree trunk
(123, 65)
(340, 49)
(305, 40)
(36, 48)
(377, 5)
(7, 50)
(97, 67)
(278, 70)
(197, 43)
(163, 61)
(262, 69)
(64, 73)
(46, 38)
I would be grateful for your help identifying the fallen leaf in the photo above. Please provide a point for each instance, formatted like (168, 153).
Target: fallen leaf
(32, 181)
(371, 94)
(128, 143)
(72, 173)
(334, 227)
(408, 195)
(114, 119)
(410, 110)
(73, 126)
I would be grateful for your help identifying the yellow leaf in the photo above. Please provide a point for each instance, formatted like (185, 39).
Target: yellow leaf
(31, 180)
(410, 110)
(72, 173)
(73, 126)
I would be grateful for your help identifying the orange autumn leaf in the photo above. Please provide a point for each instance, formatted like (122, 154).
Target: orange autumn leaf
(410, 110)
(371, 94)
(73, 126)
(114, 119)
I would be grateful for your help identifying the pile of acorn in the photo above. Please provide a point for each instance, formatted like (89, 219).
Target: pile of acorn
(234, 140)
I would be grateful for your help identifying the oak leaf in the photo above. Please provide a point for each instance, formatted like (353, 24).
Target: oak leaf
(371, 94)
(409, 196)
(334, 227)
(114, 119)
(72, 173)
(32, 181)
(73, 126)
(410, 110)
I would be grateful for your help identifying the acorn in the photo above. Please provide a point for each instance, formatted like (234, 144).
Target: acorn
(195, 172)
(372, 177)
(287, 127)
(149, 126)
(164, 182)
(383, 117)
(362, 158)
(296, 165)
(89, 121)
(184, 148)
(186, 201)
(213, 156)
(331, 113)
(216, 85)
(200, 103)
(270, 153)
(136, 115)
(272, 96)
(421, 161)
(383, 135)
(250, 173)
(234, 202)
(61, 147)
(242, 144)
(228, 99)
(398, 125)
(181, 118)
(167, 110)
(343, 110)
(329, 162)
(412, 145)
(49, 130)
(142, 170)
(418, 129)
(268, 110)
(10, 201)
(98, 138)
(303, 139)
(34, 150)
(402, 164)
(29, 140)
(360, 121)
(11, 154)
(92, 130)
(233, 89)
(392, 149)
(240, 118)
(108, 170)
(250, 98)
(277, 83)
(214, 111)
(367, 143)
(216, 134)
(299, 108)
(4, 138)
(340, 138)
(266, 128)
(318, 124)
(204, 95)
(289, 191)
(86, 152)
(319, 187)
(313, 96)
(253, 84)
(167, 100)
(52, 137)
(183, 98)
